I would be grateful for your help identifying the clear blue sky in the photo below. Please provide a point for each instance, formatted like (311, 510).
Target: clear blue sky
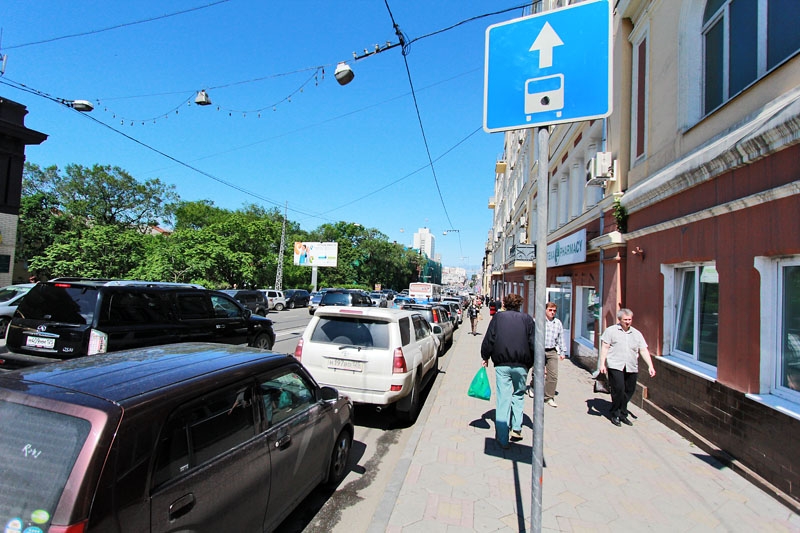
(353, 153)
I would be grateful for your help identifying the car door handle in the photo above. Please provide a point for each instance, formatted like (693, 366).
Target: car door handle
(181, 506)
(283, 442)
(220, 326)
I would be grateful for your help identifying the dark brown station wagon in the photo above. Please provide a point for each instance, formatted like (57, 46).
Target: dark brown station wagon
(181, 437)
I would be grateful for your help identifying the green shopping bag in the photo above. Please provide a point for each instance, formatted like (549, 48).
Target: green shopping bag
(479, 388)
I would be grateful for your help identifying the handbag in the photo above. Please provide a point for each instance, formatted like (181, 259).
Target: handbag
(601, 384)
(479, 388)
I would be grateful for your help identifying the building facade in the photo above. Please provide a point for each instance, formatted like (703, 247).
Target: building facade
(424, 240)
(694, 228)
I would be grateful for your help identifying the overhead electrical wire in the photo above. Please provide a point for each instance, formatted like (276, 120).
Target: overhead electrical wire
(117, 26)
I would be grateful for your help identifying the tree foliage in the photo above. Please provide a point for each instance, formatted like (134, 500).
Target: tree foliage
(98, 222)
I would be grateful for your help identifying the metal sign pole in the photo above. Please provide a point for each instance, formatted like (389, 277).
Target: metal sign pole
(537, 460)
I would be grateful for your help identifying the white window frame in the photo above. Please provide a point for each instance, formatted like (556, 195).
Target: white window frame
(636, 40)
(688, 362)
(770, 392)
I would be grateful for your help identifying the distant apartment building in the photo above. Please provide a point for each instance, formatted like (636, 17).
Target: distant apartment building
(697, 230)
(425, 241)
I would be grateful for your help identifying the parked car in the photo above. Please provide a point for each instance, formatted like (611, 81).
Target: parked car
(346, 297)
(437, 315)
(457, 312)
(313, 303)
(458, 302)
(276, 299)
(185, 437)
(65, 318)
(296, 298)
(253, 300)
(376, 297)
(9, 299)
(373, 355)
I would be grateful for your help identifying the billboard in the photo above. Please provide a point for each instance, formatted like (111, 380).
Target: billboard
(316, 254)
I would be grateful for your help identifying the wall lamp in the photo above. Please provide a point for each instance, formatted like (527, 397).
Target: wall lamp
(638, 251)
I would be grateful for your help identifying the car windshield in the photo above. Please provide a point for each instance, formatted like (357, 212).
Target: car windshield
(7, 293)
(336, 298)
(37, 459)
(363, 332)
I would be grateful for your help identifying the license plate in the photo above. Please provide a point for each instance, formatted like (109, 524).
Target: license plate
(346, 364)
(40, 342)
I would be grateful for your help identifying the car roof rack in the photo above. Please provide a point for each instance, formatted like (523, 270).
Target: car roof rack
(124, 282)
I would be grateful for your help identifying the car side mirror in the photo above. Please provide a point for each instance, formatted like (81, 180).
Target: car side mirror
(437, 329)
(248, 313)
(329, 393)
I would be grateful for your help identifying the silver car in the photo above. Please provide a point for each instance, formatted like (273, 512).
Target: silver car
(9, 299)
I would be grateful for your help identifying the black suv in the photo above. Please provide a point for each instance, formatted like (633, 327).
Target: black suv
(296, 298)
(66, 318)
(349, 297)
(253, 300)
(185, 437)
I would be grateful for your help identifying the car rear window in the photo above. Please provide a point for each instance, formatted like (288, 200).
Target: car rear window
(72, 304)
(336, 298)
(37, 457)
(366, 332)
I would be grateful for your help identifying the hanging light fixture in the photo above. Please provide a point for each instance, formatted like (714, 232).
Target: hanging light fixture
(344, 74)
(202, 98)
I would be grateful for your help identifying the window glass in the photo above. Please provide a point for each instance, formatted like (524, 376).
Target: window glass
(285, 395)
(697, 316)
(64, 303)
(137, 308)
(420, 327)
(405, 332)
(366, 332)
(783, 39)
(37, 459)
(204, 430)
(713, 66)
(589, 313)
(789, 366)
(194, 306)
(743, 44)
(223, 307)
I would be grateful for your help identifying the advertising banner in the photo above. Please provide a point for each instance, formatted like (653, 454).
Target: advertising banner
(319, 254)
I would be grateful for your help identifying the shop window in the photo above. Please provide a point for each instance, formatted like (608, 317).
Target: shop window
(691, 315)
(587, 313)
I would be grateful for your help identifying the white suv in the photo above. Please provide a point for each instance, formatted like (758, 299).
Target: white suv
(276, 299)
(373, 355)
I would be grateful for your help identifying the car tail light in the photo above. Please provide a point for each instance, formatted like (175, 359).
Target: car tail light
(80, 527)
(98, 342)
(298, 351)
(399, 363)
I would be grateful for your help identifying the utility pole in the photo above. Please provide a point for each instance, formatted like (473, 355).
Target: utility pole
(279, 271)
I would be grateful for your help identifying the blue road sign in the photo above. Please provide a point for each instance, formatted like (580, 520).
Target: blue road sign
(549, 68)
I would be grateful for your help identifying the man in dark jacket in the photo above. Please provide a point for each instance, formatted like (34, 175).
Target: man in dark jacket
(509, 344)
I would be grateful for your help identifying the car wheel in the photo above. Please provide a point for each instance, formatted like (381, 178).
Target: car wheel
(340, 456)
(279, 307)
(290, 305)
(4, 322)
(264, 341)
(410, 410)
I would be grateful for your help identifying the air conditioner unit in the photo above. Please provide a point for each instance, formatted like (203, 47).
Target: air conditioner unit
(601, 169)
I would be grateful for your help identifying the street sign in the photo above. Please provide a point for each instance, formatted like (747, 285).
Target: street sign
(549, 68)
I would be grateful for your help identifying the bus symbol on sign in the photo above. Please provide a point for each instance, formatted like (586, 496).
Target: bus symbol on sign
(544, 94)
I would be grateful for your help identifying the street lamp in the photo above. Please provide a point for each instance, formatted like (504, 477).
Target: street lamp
(445, 232)
(79, 105)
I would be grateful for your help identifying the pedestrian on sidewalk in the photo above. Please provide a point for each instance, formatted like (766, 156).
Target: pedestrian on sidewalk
(554, 351)
(620, 348)
(509, 343)
(473, 313)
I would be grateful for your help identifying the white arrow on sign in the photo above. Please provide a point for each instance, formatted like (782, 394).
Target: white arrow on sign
(544, 43)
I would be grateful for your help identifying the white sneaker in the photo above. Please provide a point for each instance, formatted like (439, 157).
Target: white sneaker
(551, 402)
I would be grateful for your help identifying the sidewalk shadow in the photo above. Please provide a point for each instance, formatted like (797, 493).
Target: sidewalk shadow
(488, 416)
(597, 407)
